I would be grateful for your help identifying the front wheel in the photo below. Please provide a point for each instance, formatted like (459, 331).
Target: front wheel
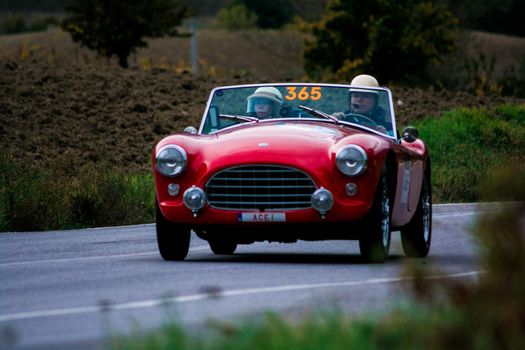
(417, 234)
(173, 239)
(375, 242)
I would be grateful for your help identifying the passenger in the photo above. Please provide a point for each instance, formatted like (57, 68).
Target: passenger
(265, 102)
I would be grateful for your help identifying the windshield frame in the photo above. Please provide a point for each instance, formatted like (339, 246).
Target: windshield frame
(340, 122)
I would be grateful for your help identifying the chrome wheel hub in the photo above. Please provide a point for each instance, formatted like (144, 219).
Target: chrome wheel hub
(426, 215)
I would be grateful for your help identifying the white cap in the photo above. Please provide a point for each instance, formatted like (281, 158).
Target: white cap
(364, 80)
(268, 92)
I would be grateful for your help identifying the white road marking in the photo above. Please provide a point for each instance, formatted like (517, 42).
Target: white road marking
(443, 215)
(87, 258)
(220, 294)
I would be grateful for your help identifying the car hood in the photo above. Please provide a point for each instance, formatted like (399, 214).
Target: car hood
(301, 144)
(284, 134)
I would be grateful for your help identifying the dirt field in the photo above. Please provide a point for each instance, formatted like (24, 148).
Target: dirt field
(78, 114)
(60, 103)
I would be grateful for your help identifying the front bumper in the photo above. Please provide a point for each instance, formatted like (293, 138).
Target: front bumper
(176, 211)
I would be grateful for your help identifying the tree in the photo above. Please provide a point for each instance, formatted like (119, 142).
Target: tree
(118, 27)
(500, 16)
(236, 17)
(269, 14)
(394, 40)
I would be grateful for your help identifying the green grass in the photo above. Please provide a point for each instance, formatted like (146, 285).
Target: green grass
(48, 198)
(467, 145)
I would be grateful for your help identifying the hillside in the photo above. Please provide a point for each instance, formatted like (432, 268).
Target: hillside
(59, 101)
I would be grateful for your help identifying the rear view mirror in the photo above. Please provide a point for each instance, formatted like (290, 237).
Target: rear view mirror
(410, 134)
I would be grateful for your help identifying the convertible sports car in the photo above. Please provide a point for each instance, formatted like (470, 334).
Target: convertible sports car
(288, 162)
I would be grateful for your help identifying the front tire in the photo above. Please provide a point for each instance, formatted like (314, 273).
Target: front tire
(417, 234)
(173, 239)
(375, 242)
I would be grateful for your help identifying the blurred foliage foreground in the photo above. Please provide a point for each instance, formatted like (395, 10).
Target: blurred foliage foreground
(466, 146)
(486, 312)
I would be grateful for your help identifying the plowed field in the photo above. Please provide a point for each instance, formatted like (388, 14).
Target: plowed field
(79, 114)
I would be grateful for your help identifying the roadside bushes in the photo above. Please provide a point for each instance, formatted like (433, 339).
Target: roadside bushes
(34, 198)
(13, 23)
(29, 199)
(249, 14)
(466, 145)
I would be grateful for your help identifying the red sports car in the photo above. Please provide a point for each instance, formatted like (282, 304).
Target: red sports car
(283, 162)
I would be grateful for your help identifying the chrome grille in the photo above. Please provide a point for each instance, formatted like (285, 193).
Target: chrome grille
(260, 187)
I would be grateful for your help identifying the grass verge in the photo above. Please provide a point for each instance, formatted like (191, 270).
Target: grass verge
(48, 198)
(467, 145)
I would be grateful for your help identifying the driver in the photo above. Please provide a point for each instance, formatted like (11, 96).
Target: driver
(265, 102)
(365, 102)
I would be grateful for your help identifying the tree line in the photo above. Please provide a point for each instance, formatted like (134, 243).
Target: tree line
(501, 16)
(349, 37)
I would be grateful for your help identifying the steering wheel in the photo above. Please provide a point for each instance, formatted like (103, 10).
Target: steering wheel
(358, 119)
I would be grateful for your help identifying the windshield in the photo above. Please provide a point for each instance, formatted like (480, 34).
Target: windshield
(367, 107)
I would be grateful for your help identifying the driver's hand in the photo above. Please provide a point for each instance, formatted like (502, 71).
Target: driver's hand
(338, 115)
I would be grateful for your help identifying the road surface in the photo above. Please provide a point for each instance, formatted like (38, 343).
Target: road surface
(71, 289)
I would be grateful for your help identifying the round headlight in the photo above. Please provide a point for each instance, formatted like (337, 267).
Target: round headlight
(351, 160)
(171, 160)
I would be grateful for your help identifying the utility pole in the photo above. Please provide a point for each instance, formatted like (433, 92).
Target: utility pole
(194, 47)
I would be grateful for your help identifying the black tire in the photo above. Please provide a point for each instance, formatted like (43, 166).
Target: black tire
(222, 247)
(417, 234)
(173, 239)
(374, 242)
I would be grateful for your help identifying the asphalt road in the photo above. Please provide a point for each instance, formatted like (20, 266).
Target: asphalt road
(71, 289)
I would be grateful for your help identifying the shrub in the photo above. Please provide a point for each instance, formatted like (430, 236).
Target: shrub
(236, 17)
(107, 197)
(267, 14)
(467, 144)
(34, 198)
(30, 199)
(11, 23)
(395, 40)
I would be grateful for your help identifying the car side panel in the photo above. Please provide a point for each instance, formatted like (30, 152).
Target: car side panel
(411, 159)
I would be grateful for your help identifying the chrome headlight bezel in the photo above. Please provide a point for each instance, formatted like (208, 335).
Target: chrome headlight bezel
(171, 160)
(322, 200)
(194, 198)
(351, 160)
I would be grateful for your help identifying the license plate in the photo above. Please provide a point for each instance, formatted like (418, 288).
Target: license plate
(262, 217)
